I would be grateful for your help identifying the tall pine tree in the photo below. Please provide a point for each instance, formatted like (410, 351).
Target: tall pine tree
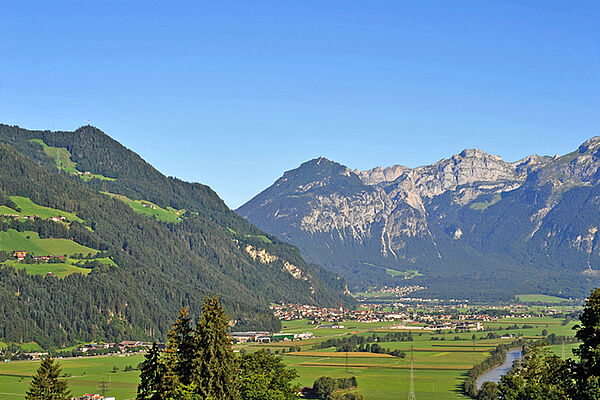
(181, 348)
(587, 371)
(216, 373)
(157, 381)
(47, 385)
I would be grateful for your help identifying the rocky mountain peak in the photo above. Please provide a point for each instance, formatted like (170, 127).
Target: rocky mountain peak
(378, 175)
(476, 153)
(531, 163)
(590, 146)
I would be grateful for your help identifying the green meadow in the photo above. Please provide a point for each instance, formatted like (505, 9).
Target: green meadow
(28, 207)
(12, 240)
(150, 209)
(62, 158)
(540, 298)
(84, 376)
(440, 360)
(60, 270)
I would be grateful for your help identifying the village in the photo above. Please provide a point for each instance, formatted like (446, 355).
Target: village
(413, 314)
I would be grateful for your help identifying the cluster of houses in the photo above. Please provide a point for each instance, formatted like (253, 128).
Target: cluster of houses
(89, 396)
(123, 346)
(82, 173)
(368, 313)
(268, 337)
(399, 291)
(20, 256)
(34, 217)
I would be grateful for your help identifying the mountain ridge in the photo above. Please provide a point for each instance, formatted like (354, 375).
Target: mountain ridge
(436, 217)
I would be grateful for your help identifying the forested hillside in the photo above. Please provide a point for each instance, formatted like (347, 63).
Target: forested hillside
(159, 266)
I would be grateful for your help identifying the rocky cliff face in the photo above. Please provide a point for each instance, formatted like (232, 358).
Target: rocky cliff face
(455, 218)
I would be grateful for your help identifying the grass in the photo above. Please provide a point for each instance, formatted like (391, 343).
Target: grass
(62, 158)
(440, 366)
(263, 238)
(411, 273)
(482, 205)
(11, 240)
(408, 274)
(60, 270)
(86, 375)
(150, 209)
(540, 298)
(28, 207)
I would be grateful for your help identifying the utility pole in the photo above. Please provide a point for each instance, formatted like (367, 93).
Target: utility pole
(103, 387)
(346, 362)
(411, 390)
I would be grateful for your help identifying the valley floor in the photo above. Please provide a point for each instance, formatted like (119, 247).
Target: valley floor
(440, 365)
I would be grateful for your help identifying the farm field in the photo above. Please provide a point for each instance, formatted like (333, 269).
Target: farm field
(11, 240)
(440, 360)
(150, 209)
(28, 207)
(86, 375)
(60, 270)
(536, 298)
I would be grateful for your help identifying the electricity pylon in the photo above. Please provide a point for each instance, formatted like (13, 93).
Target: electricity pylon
(411, 390)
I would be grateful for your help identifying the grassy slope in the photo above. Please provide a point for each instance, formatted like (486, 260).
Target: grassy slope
(28, 207)
(60, 270)
(12, 240)
(161, 214)
(62, 158)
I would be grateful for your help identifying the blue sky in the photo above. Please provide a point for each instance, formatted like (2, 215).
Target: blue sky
(232, 94)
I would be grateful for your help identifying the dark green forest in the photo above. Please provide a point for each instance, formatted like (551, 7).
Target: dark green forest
(161, 266)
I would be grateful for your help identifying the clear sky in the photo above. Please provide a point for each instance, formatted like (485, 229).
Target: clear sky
(232, 94)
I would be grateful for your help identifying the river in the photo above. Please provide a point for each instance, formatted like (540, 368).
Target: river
(495, 374)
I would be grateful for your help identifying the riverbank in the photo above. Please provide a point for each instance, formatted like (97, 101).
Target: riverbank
(494, 374)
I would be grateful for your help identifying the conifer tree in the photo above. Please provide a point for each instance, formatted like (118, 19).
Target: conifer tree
(216, 372)
(46, 384)
(587, 371)
(181, 348)
(156, 380)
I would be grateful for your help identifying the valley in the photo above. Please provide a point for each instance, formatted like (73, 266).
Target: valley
(441, 357)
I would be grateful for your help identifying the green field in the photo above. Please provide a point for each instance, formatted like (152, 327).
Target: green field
(86, 374)
(28, 207)
(540, 298)
(411, 273)
(60, 270)
(11, 240)
(440, 365)
(150, 209)
(62, 158)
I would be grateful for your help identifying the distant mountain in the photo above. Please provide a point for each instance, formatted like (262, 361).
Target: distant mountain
(150, 268)
(472, 225)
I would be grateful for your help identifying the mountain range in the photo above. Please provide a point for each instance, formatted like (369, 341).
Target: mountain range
(154, 243)
(469, 226)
